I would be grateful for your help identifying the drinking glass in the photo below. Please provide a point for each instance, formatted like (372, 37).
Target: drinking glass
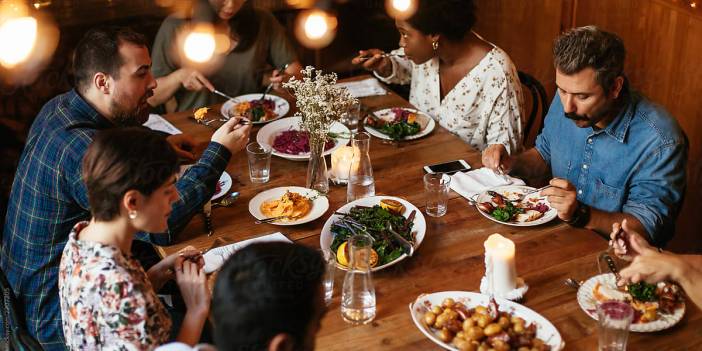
(259, 162)
(436, 186)
(358, 294)
(361, 181)
(329, 273)
(351, 117)
(614, 318)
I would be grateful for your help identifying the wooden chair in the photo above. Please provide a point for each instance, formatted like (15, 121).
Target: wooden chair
(539, 108)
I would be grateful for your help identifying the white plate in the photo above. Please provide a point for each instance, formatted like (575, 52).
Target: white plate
(544, 329)
(268, 133)
(588, 303)
(518, 189)
(419, 228)
(320, 204)
(281, 105)
(388, 114)
(225, 183)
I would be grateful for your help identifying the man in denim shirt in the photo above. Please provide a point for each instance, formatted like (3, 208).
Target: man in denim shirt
(614, 155)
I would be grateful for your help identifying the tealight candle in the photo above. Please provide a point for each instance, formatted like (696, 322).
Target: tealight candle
(500, 271)
(341, 162)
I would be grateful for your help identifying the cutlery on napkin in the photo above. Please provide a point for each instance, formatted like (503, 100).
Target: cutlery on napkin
(475, 182)
(215, 258)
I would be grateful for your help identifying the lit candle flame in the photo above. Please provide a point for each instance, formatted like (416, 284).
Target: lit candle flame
(17, 39)
(199, 45)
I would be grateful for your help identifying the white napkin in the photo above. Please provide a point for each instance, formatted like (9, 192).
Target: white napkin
(363, 88)
(469, 184)
(215, 258)
(158, 123)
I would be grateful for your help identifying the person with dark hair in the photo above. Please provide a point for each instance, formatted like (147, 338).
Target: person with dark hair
(468, 85)
(268, 296)
(48, 197)
(257, 42)
(107, 300)
(614, 154)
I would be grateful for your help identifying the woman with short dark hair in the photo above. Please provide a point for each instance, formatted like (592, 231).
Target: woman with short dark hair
(107, 300)
(465, 83)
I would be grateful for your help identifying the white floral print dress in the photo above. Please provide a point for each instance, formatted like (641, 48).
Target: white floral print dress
(485, 107)
(107, 301)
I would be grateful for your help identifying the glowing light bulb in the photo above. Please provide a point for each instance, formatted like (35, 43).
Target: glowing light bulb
(401, 5)
(18, 37)
(199, 45)
(316, 26)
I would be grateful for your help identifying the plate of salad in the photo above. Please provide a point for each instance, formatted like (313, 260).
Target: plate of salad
(500, 205)
(399, 123)
(256, 110)
(289, 142)
(397, 228)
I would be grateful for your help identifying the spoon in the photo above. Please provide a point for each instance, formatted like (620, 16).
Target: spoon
(572, 283)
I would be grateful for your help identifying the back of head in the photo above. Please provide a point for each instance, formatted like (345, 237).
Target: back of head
(123, 159)
(263, 290)
(589, 46)
(98, 51)
(452, 19)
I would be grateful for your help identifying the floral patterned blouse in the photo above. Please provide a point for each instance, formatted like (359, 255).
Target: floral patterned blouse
(485, 106)
(107, 301)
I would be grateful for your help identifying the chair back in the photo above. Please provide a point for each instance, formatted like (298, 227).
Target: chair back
(539, 107)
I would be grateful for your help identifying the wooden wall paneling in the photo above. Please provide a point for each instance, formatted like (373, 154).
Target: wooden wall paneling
(663, 49)
(525, 31)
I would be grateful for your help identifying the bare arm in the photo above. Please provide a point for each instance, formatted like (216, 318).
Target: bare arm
(167, 86)
(689, 276)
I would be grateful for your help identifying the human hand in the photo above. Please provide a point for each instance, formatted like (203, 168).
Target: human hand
(626, 242)
(164, 270)
(563, 197)
(195, 81)
(496, 157)
(232, 135)
(192, 283)
(373, 60)
(278, 77)
(183, 145)
(651, 267)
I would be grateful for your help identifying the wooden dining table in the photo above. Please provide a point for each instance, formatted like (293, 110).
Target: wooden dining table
(451, 257)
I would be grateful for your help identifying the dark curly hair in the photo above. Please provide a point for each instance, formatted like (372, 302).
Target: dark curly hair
(589, 46)
(449, 18)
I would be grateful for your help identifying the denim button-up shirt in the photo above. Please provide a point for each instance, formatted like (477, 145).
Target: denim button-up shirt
(635, 165)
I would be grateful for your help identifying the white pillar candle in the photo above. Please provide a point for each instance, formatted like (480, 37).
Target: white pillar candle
(341, 162)
(500, 271)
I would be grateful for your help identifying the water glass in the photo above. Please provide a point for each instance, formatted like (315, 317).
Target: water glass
(259, 162)
(351, 117)
(358, 305)
(329, 273)
(436, 186)
(614, 318)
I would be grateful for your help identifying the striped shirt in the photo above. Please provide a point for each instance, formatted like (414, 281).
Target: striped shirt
(48, 198)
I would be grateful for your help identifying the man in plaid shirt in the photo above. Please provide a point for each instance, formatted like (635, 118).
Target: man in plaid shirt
(113, 82)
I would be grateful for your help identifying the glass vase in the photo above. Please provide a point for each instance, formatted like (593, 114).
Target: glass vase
(317, 168)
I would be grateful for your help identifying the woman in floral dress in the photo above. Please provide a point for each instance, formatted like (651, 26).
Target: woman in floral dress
(108, 302)
(468, 85)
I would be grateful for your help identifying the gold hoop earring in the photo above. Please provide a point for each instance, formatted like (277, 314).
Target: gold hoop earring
(435, 45)
(132, 214)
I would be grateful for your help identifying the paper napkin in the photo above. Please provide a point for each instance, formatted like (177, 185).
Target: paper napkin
(215, 258)
(474, 182)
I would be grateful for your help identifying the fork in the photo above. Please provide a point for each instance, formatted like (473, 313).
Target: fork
(268, 88)
(269, 220)
(365, 58)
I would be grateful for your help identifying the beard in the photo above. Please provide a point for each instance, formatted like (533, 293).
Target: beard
(131, 117)
(595, 118)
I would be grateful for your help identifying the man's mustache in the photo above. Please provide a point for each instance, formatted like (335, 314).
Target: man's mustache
(576, 117)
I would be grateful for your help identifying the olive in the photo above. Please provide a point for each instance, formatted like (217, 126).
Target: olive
(437, 310)
(519, 328)
(440, 321)
(481, 310)
(448, 302)
(464, 345)
(483, 320)
(429, 318)
(492, 329)
(516, 320)
(500, 345)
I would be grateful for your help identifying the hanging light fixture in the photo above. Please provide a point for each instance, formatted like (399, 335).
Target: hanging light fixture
(401, 9)
(315, 28)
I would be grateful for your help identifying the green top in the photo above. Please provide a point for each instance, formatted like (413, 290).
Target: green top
(240, 73)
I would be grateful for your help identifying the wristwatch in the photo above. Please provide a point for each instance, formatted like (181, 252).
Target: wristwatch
(581, 216)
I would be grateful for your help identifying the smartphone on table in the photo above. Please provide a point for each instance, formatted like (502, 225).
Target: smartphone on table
(450, 167)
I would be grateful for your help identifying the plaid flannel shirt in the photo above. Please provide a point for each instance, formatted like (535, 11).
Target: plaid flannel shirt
(49, 197)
